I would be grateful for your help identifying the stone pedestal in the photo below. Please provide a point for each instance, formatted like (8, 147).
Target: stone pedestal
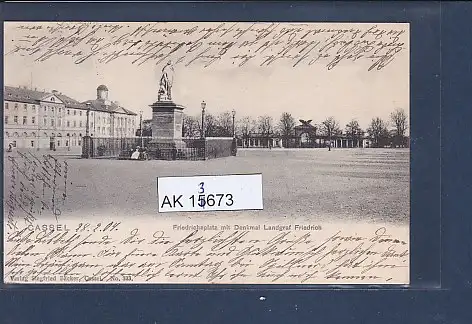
(166, 125)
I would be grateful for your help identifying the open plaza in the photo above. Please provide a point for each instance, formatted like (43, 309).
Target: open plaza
(306, 185)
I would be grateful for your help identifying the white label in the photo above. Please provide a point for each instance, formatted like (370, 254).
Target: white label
(209, 193)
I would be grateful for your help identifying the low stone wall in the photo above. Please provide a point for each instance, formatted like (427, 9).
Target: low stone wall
(216, 147)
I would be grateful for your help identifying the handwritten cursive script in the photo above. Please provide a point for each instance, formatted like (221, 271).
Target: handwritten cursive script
(36, 185)
(375, 46)
(113, 253)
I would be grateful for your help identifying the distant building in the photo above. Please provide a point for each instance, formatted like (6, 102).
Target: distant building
(303, 136)
(52, 120)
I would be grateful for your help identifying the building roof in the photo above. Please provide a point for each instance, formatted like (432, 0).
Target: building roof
(102, 87)
(111, 107)
(25, 95)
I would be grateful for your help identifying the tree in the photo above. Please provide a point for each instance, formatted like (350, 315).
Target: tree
(224, 125)
(247, 126)
(190, 127)
(399, 120)
(286, 127)
(330, 128)
(353, 130)
(210, 125)
(265, 127)
(378, 132)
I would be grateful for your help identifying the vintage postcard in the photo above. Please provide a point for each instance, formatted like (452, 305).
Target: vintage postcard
(206, 153)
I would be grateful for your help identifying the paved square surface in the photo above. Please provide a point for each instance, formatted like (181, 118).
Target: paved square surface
(298, 184)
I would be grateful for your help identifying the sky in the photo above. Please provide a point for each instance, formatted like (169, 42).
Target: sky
(346, 92)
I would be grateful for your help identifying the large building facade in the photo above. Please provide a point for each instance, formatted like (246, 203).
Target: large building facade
(53, 121)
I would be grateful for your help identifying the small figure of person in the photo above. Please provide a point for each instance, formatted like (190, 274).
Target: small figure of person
(136, 154)
(145, 153)
(9, 147)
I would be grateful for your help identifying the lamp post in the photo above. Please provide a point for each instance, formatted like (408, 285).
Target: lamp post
(141, 126)
(87, 126)
(234, 115)
(87, 131)
(203, 105)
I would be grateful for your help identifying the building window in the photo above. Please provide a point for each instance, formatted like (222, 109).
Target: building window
(33, 108)
(16, 106)
(33, 120)
(68, 111)
(6, 119)
(52, 122)
(14, 143)
(80, 113)
(45, 109)
(26, 107)
(52, 109)
(15, 119)
(59, 122)
(6, 105)
(58, 143)
(80, 123)
(32, 143)
(25, 120)
(75, 112)
(75, 123)
(60, 109)
(68, 123)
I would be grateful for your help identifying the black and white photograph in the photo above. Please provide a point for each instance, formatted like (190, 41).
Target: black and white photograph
(206, 153)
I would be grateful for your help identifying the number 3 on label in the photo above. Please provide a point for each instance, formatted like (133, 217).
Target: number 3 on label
(202, 190)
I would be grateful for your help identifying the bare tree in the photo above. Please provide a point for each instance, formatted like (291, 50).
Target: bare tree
(210, 125)
(353, 130)
(190, 127)
(224, 125)
(399, 120)
(286, 127)
(265, 126)
(330, 128)
(378, 132)
(247, 126)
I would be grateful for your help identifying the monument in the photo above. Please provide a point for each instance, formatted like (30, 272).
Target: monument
(167, 116)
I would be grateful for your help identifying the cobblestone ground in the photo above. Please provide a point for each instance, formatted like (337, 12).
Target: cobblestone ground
(303, 185)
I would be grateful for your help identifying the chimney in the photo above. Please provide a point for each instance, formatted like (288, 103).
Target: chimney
(35, 89)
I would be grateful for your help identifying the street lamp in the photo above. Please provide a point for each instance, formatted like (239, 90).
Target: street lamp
(87, 127)
(87, 144)
(203, 105)
(141, 126)
(234, 115)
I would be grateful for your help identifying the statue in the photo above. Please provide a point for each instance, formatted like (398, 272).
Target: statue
(165, 84)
